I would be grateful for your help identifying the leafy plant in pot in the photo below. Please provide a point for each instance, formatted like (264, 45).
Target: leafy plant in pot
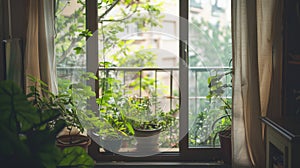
(108, 137)
(76, 113)
(71, 102)
(131, 115)
(222, 125)
(148, 120)
(30, 127)
(113, 125)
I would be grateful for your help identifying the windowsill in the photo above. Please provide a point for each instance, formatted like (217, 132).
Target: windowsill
(128, 150)
(161, 164)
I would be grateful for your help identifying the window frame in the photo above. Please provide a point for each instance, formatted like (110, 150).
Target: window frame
(185, 153)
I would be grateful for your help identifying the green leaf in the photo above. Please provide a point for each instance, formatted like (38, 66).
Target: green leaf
(130, 128)
(86, 33)
(78, 50)
(11, 143)
(42, 145)
(17, 113)
(76, 157)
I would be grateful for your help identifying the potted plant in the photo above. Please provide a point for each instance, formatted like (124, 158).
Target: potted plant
(76, 113)
(129, 115)
(108, 137)
(71, 102)
(113, 125)
(30, 132)
(148, 120)
(222, 125)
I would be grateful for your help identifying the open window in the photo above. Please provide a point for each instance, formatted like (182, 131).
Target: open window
(162, 50)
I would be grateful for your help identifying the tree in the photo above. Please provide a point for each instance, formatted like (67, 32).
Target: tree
(114, 17)
(212, 44)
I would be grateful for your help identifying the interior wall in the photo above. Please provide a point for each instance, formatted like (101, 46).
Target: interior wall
(2, 32)
(19, 19)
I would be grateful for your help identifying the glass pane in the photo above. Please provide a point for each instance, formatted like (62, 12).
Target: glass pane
(209, 58)
(69, 23)
(138, 74)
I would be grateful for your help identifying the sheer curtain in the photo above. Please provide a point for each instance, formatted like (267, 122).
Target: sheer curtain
(257, 46)
(39, 52)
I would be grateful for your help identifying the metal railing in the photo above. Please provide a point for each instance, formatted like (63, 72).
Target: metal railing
(163, 78)
(197, 82)
(70, 73)
(164, 83)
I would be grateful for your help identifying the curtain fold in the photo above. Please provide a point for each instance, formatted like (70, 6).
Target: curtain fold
(275, 102)
(270, 55)
(39, 51)
(264, 31)
(246, 105)
(257, 53)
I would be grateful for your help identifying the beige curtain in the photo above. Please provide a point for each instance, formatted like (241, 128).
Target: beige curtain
(256, 55)
(275, 54)
(39, 52)
(269, 14)
(246, 106)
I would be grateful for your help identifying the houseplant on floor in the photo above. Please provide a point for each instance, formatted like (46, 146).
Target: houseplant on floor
(71, 103)
(30, 133)
(76, 114)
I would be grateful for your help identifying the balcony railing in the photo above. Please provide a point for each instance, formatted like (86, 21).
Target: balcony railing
(162, 82)
(70, 73)
(164, 76)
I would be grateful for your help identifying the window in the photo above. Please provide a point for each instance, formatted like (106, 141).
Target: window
(167, 50)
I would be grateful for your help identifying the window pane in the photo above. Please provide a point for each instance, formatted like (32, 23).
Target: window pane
(209, 55)
(139, 48)
(69, 22)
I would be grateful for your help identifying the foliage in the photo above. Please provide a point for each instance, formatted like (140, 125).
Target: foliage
(212, 44)
(217, 92)
(114, 17)
(75, 157)
(123, 112)
(218, 89)
(71, 101)
(29, 139)
(123, 51)
(217, 112)
(118, 47)
(45, 101)
(143, 114)
(77, 114)
(111, 106)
